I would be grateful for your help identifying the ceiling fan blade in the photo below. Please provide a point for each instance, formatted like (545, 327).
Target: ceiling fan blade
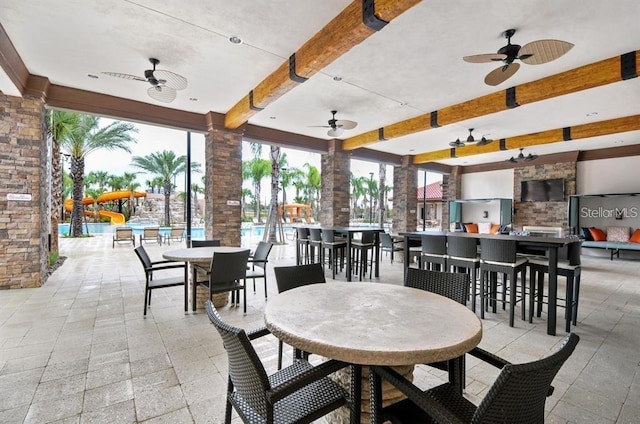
(162, 93)
(346, 124)
(484, 58)
(498, 76)
(456, 143)
(124, 76)
(335, 132)
(543, 51)
(172, 80)
(319, 126)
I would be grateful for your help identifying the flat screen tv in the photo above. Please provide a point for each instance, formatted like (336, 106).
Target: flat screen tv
(542, 190)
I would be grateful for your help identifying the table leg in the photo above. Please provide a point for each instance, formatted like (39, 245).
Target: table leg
(406, 257)
(349, 235)
(553, 290)
(376, 247)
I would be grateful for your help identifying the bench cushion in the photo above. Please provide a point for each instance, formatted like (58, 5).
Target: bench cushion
(619, 234)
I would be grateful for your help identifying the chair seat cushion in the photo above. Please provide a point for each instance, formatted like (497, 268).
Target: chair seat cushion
(476, 259)
(517, 263)
(255, 273)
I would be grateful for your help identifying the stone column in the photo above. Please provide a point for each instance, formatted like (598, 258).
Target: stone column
(451, 190)
(223, 173)
(24, 208)
(405, 198)
(335, 169)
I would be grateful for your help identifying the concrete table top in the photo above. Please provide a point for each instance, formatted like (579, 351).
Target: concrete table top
(373, 324)
(198, 254)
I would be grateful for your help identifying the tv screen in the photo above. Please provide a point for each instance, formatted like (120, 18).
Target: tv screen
(542, 190)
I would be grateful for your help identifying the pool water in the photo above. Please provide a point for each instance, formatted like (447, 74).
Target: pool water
(196, 232)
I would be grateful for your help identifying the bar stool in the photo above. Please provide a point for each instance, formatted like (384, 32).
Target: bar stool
(302, 244)
(360, 253)
(570, 267)
(462, 254)
(315, 241)
(434, 252)
(336, 248)
(499, 256)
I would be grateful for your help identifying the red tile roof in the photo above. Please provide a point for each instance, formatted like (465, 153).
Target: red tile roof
(434, 191)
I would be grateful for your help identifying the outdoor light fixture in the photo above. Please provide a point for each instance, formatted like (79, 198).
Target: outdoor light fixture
(470, 139)
(522, 158)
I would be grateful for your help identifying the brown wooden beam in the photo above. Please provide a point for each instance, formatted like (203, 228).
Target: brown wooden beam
(338, 37)
(610, 153)
(583, 78)
(12, 63)
(593, 129)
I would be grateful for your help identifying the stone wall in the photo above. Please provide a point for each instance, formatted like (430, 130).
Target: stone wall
(548, 214)
(405, 201)
(223, 157)
(336, 191)
(451, 190)
(23, 171)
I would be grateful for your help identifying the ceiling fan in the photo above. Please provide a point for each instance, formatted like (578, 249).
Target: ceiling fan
(163, 83)
(470, 139)
(533, 53)
(522, 158)
(337, 126)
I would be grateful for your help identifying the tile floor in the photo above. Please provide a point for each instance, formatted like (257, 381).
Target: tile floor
(78, 349)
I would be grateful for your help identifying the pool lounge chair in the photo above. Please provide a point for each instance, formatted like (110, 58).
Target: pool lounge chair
(123, 235)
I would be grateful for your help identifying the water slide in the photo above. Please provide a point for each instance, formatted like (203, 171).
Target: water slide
(115, 217)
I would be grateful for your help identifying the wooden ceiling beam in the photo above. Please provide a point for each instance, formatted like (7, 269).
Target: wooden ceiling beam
(345, 31)
(593, 129)
(11, 62)
(583, 78)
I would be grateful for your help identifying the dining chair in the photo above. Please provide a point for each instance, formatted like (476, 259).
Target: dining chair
(302, 244)
(299, 393)
(315, 245)
(226, 274)
(123, 234)
(498, 256)
(195, 274)
(462, 255)
(389, 245)
(570, 267)
(360, 250)
(434, 252)
(454, 286)
(205, 243)
(290, 277)
(336, 248)
(151, 267)
(517, 395)
(258, 264)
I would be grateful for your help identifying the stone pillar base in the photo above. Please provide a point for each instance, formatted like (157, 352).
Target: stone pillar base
(202, 295)
(389, 393)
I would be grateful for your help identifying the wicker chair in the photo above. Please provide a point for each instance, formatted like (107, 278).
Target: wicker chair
(258, 262)
(500, 257)
(360, 250)
(518, 394)
(336, 248)
(226, 274)
(569, 266)
(462, 254)
(290, 277)
(388, 244)
(434, 252)
(302, 245)
(455, 286)
(205, 243)
(300, 393)
(158, 266)
(315, 242)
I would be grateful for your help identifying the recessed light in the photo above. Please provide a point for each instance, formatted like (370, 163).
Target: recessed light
(92, 76)
(193, 99)
(234, 39)
(403, 103)
(592, 113)
(618, 142)
(272, 117)
(412, 150)
(337, 78)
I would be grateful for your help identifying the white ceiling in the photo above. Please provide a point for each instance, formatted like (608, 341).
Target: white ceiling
(411, 67)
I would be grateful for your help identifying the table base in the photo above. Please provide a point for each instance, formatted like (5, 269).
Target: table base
(202, 295)
(389, 393)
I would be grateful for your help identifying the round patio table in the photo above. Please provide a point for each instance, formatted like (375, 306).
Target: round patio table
(201, 256)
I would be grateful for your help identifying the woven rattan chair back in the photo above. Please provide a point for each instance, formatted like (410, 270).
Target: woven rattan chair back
(290, 277)
(496, 250)
(462, 247)
(303, 233)
(261, 254)
(143, 256)
(519, 393)
(434, 244)
(315, 235)
(453, 285)
(368, 237)
(227, 267)
(205, 243)
(246, 372)
(386, 241)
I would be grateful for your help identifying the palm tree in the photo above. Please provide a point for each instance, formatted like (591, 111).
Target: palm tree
(358, 190)
(245, 193)
(256, 170)
(314, 185)
(165, 165)
(81, 139)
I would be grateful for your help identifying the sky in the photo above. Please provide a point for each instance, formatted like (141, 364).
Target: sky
(152, 139)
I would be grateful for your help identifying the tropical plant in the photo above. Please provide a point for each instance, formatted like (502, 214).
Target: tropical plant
(255, 171)
(82, 136)
(168, 166)
(358, 190)
(313, 186)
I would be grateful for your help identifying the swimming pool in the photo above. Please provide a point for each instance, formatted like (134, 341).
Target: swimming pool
(196, 232)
